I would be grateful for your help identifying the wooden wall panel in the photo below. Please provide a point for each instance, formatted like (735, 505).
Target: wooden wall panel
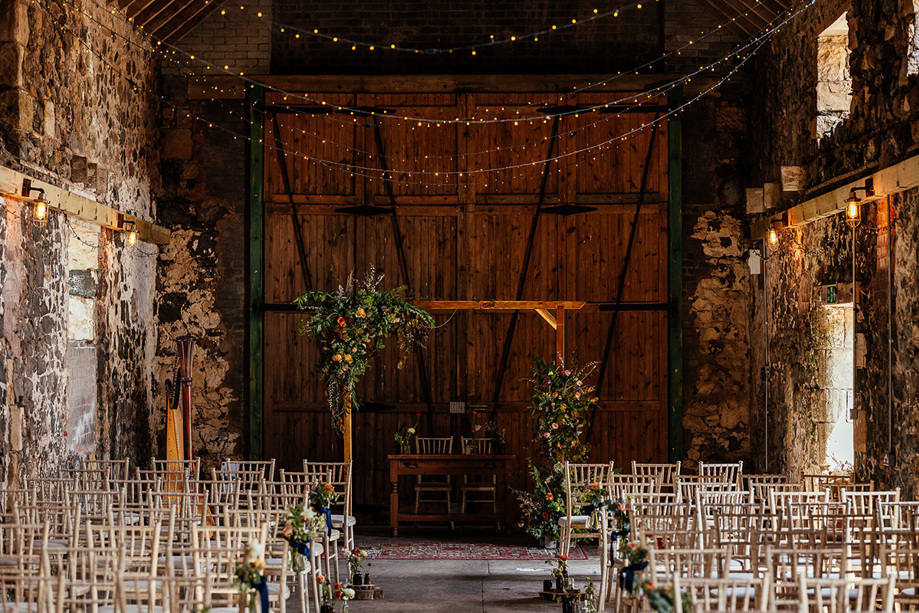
(466, 238)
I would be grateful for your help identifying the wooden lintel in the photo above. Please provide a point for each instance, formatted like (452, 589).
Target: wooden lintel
(496, 305)
(891, 180)
(548, 317)
(231, 87)
(81, 207)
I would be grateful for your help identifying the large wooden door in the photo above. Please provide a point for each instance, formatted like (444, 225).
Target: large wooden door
(465, 237)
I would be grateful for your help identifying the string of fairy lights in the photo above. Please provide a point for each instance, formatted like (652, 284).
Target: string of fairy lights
(355, 169)
(173, 50)
(741, 54)
(428, 122)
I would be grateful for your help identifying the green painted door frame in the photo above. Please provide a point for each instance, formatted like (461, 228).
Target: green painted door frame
(255, 152)
(675, 278)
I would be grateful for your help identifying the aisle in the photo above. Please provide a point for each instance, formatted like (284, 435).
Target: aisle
(464, 586)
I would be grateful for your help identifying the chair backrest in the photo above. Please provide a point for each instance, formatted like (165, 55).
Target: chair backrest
(783, 566)
(687, 485)
(724, 595)
(663, 564)
(624, 487)
(296, 486)
(336, 474)
(731, 472)
(118, 469)
(664, 472)
(266, 467)
(430, 445)
(192, 468)
(864, 503)
(478, 446)
(842, 595)
(759, 491)
(779, 501)
(897, 516)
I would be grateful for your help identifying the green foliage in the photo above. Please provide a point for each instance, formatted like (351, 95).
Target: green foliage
(561, 400)
(352, 325)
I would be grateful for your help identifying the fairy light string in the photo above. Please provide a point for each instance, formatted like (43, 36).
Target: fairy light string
(376, 173)
(305, 98)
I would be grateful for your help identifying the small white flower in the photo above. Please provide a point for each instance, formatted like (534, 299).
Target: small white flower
(255, 551)
(411, 431)
(347, 593)
(309, 513)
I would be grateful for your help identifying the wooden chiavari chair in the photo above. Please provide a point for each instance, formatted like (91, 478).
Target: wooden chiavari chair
(477, 489)
(338, 474)
(784, 566)
(191, 468)
(118, 469)
(437, 489)
(581, 480)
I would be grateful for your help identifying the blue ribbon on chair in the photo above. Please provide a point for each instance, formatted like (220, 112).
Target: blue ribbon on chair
(328, 519)
(262, 588)
(301, 547)
(627, 575)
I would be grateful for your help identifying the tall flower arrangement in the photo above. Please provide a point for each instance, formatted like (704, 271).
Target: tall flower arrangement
(560, 403)
(352, 325)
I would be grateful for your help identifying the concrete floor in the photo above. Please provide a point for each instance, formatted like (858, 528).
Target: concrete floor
(464, 586)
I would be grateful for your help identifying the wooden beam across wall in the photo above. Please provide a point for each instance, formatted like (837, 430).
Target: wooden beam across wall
(891, 180)
(83, 208)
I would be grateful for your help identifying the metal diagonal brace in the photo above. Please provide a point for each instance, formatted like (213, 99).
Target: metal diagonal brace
(620, 289)
(521, 283)
(294, 218)
(403, 261)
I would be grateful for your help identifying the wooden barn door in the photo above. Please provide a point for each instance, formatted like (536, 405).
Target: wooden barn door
(466, 237)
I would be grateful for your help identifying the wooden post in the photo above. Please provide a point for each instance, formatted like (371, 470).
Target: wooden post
(346, 434)
(560, 335)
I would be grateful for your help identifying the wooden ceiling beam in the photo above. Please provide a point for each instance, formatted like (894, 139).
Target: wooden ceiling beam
(194, 19)
(166, 21)
(153, 10)
(735, 23)
(752, 7)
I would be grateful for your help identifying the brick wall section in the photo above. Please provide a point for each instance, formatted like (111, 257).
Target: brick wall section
(686, 21)
(234, 38)
(602, 46)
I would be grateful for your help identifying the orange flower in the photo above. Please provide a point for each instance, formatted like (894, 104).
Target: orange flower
(328, 487)
(341, 321)
(549, 496)
(347, 358)
(336, 358)
(563, 558)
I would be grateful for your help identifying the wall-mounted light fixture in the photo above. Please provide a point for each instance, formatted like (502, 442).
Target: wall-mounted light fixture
(131, 228)
(39, 212)
(854, 203)
(773, 235)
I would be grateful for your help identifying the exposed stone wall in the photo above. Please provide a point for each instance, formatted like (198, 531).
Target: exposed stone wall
(77, 109)
(878, 132)
(201, 280)
(716, 381)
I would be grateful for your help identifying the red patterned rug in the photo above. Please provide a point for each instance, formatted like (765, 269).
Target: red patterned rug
(433, 550)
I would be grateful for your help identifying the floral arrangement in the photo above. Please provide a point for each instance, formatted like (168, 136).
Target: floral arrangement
(561, 565)
(323, 495)
(560, 403)
(404, 435)
(541, 507)
(250, 573)
(497, 434)
(352, 325)
(301, 526)
(330, 594)
(356, 557)
(661, 600)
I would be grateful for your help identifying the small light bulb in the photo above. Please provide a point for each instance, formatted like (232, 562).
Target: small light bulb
(132, 237)
(41, 211)
(852, 210)
(773, 236)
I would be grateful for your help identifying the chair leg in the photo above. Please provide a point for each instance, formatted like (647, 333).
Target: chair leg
(417, 500)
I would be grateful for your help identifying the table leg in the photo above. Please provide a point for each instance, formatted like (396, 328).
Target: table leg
(394, 505)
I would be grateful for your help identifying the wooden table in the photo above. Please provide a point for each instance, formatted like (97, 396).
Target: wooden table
(453, 464)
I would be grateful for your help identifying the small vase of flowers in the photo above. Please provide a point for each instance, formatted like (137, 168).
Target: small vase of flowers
(250, 573)
(356, 557)
(403, 437)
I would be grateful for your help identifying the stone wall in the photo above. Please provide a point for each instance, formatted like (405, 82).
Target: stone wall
(77, 109)
(201, 283)
(878, 132)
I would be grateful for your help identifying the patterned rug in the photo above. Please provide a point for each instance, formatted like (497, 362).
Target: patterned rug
(433, 550)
